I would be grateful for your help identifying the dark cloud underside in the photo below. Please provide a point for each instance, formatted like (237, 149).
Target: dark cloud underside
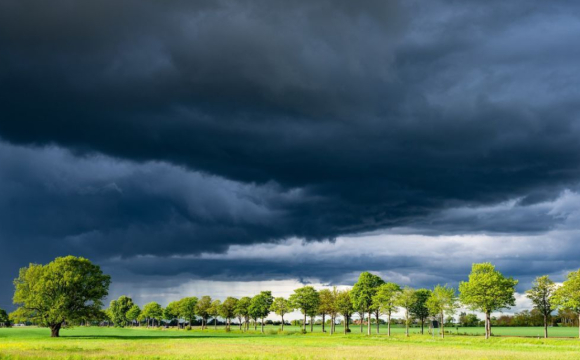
(153, 128)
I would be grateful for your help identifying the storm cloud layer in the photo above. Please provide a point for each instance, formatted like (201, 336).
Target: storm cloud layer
(144, 132)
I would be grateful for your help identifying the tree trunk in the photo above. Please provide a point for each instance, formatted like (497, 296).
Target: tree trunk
(377, 314)
(262, 325)
(422, 325)
(362, 320)
(55, 330)
(369, 324)
(311, 323)
(578, 325)
(323, 318)
(442, 325)
(488, 324)
(215, 323)
(407, 323)
(545, 326)
(304, 324)
(282, 322)
(389, 324)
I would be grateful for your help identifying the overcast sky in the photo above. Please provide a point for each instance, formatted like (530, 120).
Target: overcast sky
(226, 147)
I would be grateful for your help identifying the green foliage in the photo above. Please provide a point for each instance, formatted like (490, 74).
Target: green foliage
(118, 310)
(171, 311)
(327, 303)
(243, 307)
(4, 318)
(386, 297)
(68, 288)
(152, 310)
(214, 309)
(568, 295)
(261, 304)
(228, 308)
(487, 289)
(419, 309)
(541, 294)
(364, 290)
(443, 301)
(281, 306)
(133, 313)
(306, 299)
(203, 307)
(188, 308)
(344, 304)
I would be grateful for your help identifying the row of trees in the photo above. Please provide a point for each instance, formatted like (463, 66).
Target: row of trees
(71, 290)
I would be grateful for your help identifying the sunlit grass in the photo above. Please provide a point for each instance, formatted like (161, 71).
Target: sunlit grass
(111, 343)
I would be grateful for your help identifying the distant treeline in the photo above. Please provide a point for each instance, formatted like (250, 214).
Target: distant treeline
(70, 291)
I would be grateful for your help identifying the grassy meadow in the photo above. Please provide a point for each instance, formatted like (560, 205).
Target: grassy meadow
(142, 343)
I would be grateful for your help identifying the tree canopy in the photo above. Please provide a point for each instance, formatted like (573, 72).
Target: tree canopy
(541, 294)
(567, 296)
(487, 290)
(118, 310)
(66, 289)
(306, 299)
(363, 292)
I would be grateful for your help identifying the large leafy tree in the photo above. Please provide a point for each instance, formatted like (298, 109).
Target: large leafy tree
(67, 289)
(187, 309)
(541, 294)
(152, 312)
(442, 301)
(203, 310)
(214, 311)
(260, 306)
(228, 309)
(307, 300)
(281, 307)
(362, 294)
(386, 299)
(419, 309)
(118, 310)
(487, 290)
(243, 311)
(406, 299)
(567, 296)
(344, 307)
(134, 313)
(171, 312)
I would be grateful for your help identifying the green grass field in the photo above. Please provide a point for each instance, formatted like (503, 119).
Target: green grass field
(111, 343)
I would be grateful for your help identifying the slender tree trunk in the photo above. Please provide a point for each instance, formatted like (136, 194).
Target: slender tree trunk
(422, 325)
(311, 323)
(369, 324)
(545, 326)
(262, 325)
(488, 324)
(389, 324)
(323, 318)
(578, 325)
(362, 320)
(407, 323)
(331, 325)
(442, 325)
(377, 314)
(282, 322)
(304, 324)
(55, 330)
(215, 323)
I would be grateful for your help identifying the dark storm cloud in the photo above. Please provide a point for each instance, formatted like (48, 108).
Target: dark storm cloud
(241, 122)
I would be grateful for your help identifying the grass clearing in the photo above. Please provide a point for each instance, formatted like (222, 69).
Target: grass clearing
(111, 343)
